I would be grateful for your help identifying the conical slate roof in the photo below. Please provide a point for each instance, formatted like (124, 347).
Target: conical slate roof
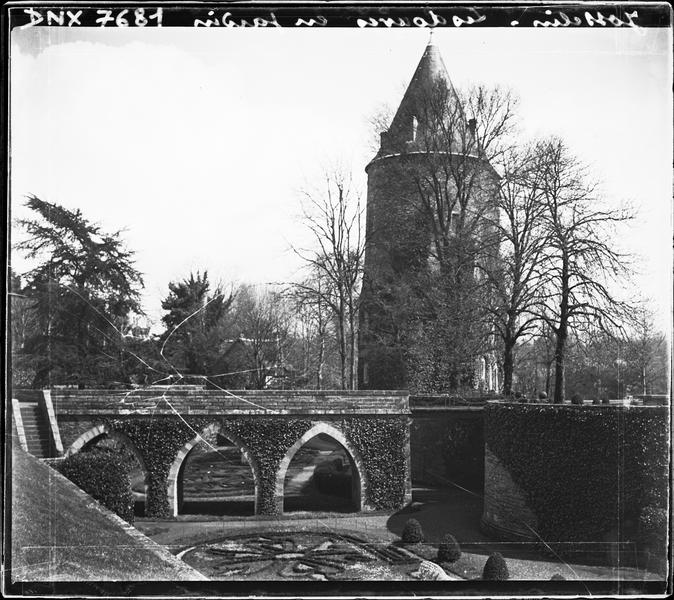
(429, 76)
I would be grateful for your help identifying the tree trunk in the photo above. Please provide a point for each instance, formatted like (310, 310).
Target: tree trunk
(508, 365)
(321, 358)
(562, 333)
(353, 364)
(560, 375)
(341, 334)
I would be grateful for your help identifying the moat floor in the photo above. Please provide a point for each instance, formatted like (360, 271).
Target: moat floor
(439, 511)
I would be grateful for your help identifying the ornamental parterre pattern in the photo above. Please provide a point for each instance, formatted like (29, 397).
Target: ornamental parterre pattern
(300, 556)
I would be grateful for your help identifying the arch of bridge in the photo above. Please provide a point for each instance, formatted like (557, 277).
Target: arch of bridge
(208, 432)
(337, 435)
(97, 432)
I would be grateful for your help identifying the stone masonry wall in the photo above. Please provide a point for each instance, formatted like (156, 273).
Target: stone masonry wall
(506, 512)
(433, 460)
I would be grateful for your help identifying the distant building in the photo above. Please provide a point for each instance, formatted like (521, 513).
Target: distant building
(399, 235)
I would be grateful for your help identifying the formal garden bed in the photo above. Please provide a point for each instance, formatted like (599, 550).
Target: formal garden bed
(302, 555)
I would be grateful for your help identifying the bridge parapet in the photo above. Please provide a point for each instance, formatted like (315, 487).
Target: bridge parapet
(164, 401)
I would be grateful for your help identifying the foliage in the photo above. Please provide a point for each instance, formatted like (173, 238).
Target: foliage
(83, 290)
(463, 452)
(23, 326)
(449, 549)
(103, 475)
(379, 442)
(653, 528)
(576, 496)
(195, 325)
(495, 569)
(412, 532)
(158, 440)
(576, 399)
(268, 439)
(197, 320)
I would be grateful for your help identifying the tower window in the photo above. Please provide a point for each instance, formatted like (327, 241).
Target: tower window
(455, 222)
(415, 125)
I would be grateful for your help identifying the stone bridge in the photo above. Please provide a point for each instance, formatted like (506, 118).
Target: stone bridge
(161, 425)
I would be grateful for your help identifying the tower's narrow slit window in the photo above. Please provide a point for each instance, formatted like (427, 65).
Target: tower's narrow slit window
(415, 125)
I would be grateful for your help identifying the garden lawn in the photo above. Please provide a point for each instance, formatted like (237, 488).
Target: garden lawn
(61, 534)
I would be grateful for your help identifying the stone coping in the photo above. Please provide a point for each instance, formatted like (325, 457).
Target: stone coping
(613, 406)
(193, 390)
(279, 403)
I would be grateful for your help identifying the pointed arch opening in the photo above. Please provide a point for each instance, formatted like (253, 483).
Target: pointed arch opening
(105, 439)
(321, 472)
(213, 474)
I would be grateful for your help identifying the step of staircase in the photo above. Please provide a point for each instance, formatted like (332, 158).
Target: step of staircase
(36, 429)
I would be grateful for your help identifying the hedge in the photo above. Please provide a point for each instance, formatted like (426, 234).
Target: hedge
(586, 470)
(103, 475)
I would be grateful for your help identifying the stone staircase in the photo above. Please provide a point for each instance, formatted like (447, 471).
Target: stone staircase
(36, 430)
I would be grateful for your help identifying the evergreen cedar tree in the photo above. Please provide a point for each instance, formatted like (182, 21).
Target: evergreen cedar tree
(83, 291)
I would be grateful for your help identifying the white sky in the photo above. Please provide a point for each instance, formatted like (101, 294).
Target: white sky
(197, 141)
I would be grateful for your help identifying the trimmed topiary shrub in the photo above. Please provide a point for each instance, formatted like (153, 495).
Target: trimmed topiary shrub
(103, 475)
(557, 577)
(495, 569)
(576, 399)
(449, 549)
(412, 532)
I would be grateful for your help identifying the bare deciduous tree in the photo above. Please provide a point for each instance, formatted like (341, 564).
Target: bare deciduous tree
(582, 262)
(515, 275)
(264, 323)
(314, 319)
(647, 349)
(334, 217)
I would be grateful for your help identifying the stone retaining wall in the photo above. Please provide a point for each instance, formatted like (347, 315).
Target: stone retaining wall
(432, 461)
(506, 512)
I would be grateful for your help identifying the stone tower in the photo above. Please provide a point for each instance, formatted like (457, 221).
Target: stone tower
(402, 247)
